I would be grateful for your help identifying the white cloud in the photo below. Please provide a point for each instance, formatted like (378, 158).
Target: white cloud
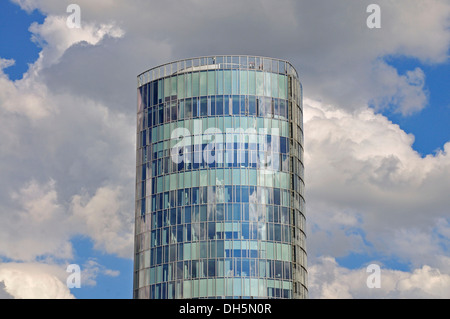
(92, 269)
(71, 141)
(39, 201)
(370, 191)
(428, 280)
(3, 293)
(326, 40)
(24, 98)
(330, 281)
(55, 37)
(34, 281)
(102, 218)
(29, 96)
(42, 226)
(6, 63)
(41, 229)
(404, 93)
(34, 225)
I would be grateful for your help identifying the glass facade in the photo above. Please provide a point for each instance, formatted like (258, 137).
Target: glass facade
(220, 210)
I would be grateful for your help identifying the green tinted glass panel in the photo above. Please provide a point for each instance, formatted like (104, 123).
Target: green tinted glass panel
(282, 87)
(211, 82)
(274, 81)
(203, 83)
(174, 86)
(188, 78)
(220, 82)
(235, 80)
(259, 83)
(167, 87)
(252, 82)
(160, 91)
(180, 86)
(227, 82)
(244, 82)
(267, 84)
(195, 84)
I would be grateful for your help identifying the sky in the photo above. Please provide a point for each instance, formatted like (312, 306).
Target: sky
(376, 124)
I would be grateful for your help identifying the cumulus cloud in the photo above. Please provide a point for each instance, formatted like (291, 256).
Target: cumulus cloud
(55, 37)
(102, 217)
(66, 138)
(6, 63)
(370, 191)
(47, 164)
(23, 97)
(326, 40)
(92, 269)
(404, 94)
(29, 231)
(43, 226)
(34, 281)
(328, 280)
(3, 293)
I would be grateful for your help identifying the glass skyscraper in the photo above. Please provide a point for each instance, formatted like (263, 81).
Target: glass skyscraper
(220, 210)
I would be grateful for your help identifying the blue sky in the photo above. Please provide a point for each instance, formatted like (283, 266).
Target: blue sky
(370, 198)
(18, 45)
(117, 287)
(430, 126)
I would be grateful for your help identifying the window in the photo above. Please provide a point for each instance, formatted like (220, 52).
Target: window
(160, 91)
(276, 108)
(227, 82)
(235, 80)
(274, 82)
(154, 92)
(195, 84)
(188, 108)
(282, 94)
(219, 105)
(236, 104)
(174, 112)
(203, 83)
(251, 106)
(211, 82)
(220, 82)
(212, 106)
(244, 106)
(260, 107)
(203, 106)
(180, 86)
(243, 82)
(195, 111)
(267, 84)
(167, 87)
(181, 110)
(260, 83)
(188, 82)
(227, 106)
(173, 86)
(252, 82)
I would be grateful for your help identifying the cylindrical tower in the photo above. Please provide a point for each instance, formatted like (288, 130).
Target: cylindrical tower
(220, 210)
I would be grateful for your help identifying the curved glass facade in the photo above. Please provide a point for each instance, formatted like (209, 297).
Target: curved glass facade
(219, 184)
